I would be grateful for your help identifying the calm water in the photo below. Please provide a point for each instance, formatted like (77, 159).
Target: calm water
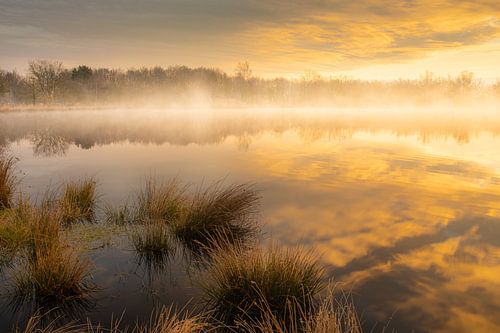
(403, 205)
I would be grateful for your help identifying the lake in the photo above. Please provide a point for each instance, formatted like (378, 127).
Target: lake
(402, 205)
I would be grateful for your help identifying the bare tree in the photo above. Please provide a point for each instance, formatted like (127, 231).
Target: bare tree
(243, 71)
(46, 76)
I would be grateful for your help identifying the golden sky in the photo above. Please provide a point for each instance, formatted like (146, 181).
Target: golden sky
(365, 38)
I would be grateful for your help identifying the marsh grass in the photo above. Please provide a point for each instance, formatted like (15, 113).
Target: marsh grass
(160, 201)
(121, 215)
(153, 244)
(78, 201)
(164, 320)
(168, 321)
(217, 212)
(243, 284)
(51, 269)
(330, 315)
(8, 181)
(13, 233)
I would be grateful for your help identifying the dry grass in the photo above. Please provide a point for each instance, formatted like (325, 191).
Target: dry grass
(328, 316)
(7, 182)
(163, 201)
(51, 270)
(121, 215)
(153, 243)
(243, 284)
(167, 321)
(78, 201)
(216, 212)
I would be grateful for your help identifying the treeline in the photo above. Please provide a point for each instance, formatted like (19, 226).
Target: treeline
(50, 83)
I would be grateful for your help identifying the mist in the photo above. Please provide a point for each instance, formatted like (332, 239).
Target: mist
(49, 84)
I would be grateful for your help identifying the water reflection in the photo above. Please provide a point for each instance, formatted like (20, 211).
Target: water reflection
(58, 312)
(405, 208)
(51, 132)
(47, 144)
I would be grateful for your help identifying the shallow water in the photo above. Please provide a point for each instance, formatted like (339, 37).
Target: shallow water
(403, 205)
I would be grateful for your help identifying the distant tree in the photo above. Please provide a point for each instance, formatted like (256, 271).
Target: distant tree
(45, 76)
(81, 73)
(311, 76)
(4, 87)
(243, 71)
(496, 87)
(465, 81)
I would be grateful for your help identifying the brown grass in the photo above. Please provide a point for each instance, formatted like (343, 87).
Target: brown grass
(7, 181)
(161, 201)
(216, 212)
(242, 284)
(51, 270)
(78, 201)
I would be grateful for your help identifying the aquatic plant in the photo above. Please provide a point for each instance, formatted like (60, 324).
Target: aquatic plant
(218, 212)
(153, 243)
(7, 181)
(78, 201)
(330, 314)
(243, 285)
(162, 201)
(13, 234)
(168, 321)
(121, 215)
(51, 269)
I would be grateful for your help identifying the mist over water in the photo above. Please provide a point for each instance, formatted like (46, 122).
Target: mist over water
(403, 203)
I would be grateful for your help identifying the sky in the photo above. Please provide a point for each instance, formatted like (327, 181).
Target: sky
(365, 39)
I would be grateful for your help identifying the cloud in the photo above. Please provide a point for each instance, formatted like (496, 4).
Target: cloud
(274, 35)
(348, 35)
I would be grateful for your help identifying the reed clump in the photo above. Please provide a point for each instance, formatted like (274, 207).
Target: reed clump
(217, 212)
(7, 182)
(161, 201)
(168, 321)
(51, 270)
(121, 215)
(16, 227)
(329, 315)
(152, 242)
(243, 285)
(78, 201)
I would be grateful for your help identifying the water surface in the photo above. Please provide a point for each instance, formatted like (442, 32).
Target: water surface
(403, 205)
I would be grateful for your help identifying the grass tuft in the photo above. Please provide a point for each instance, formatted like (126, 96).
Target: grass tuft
(52, 271)
(78, 201)
(160, 201)
(217, 212)
(121, 215)
(168, 321)
(243, 284)
(153, 243)
(7, 182)
(330, 315)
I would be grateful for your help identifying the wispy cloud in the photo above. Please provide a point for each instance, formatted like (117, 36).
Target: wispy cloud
(273, 35)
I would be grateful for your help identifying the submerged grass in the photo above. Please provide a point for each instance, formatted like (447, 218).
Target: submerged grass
(152, 243)
(218, 212)
(7, 181)
(78, 201)
(243, 284)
